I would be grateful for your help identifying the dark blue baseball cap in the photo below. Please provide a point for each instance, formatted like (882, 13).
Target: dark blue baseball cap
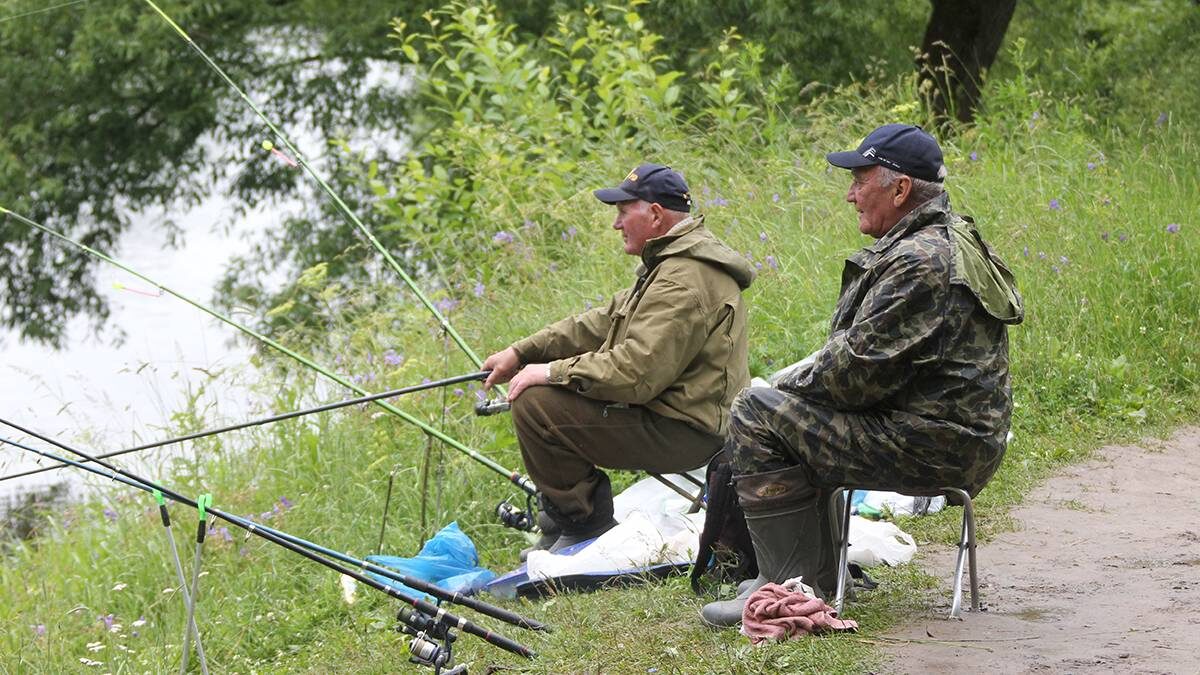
(652, 183)
(901, 147)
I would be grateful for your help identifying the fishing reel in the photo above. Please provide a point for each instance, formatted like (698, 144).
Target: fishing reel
(432, 643)
(511, 516)
(492, 406)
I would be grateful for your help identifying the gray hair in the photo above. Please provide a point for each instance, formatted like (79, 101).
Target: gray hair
(922, 190)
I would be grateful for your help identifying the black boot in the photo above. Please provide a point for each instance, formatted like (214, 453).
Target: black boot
(596, 524)
(549, 532)
(784, 523)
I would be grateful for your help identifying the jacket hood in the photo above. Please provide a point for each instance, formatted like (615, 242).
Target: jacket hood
(689, 238)
(975, 265)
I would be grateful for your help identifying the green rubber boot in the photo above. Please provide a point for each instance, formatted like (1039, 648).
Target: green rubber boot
(784, 522)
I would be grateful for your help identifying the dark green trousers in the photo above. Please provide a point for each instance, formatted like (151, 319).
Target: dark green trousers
(564, 437)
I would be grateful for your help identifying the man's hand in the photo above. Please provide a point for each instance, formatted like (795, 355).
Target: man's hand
(503, 364)
(533, 375)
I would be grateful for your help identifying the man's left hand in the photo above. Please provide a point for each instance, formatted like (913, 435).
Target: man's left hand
(532, 375)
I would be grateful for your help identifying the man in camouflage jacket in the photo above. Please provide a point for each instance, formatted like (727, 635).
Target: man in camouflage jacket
(644, 383)
(910, 392)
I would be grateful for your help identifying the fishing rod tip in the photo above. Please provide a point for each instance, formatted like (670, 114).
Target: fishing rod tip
(268, 145)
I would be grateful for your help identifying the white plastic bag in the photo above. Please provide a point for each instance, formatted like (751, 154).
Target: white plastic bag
(904, 505)
(878, 541)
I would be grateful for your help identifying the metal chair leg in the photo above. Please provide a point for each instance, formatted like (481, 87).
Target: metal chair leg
(843, 543)
(969, 515)
(966, 549)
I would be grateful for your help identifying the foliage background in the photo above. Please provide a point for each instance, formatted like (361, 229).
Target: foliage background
(1080, 179)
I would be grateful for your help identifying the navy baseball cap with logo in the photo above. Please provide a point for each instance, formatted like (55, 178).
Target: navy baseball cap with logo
(652, 183)
(901, 147)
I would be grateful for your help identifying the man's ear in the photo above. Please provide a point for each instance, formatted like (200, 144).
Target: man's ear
(656, 210)
(902, 189)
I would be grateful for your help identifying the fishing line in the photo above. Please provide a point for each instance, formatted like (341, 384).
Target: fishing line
(299, 158)
(470, 377)
(43, 10)
(522, 482)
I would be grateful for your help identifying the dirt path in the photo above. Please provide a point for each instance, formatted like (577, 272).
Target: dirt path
(1102, 576)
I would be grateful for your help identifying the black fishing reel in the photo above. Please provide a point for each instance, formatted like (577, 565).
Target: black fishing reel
(432, 643)
(511, 516)
(491, 407)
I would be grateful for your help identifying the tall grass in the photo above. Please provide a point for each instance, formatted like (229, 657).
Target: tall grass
(1100, 230)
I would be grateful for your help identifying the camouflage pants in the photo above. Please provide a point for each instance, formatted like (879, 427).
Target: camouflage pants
(772, 430)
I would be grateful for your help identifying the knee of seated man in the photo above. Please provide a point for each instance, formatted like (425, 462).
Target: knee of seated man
(539, 403)
(753, 407)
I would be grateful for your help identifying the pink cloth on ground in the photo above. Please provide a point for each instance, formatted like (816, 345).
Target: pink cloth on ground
(776, 613)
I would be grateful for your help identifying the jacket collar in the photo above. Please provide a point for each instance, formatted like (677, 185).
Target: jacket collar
(669, 243)
(933, 210)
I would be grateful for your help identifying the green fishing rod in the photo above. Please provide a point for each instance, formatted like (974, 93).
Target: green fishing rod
(341, 205)
(469, 377)
(440, 615)
(515, 477)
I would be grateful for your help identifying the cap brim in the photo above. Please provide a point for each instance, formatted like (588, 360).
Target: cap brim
(850, 159)
(613, 195)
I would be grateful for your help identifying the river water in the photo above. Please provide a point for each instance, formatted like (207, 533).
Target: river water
(102, 396)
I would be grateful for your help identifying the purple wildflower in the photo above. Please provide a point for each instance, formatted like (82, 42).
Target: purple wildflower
(1025, 251)
(225, 536)
(1173, 228)
(758, 266)
(974, 156)
(1041, 255)
(762, 236)
(446, 305)
(587, 304)
(775, 197)
(479, 289)
(110, 515)
(108, 620)
(772, 262)
(529, 224)
(1055, 205)
(1104, 236)
(480, 396)
(287, 503)
(502, 237)
(39, 629)
(1055, 268)
(391, 358)
(1122, 237)
(458, 391)
(570, 233)
(553, 267)
(426, 380)
(1091, 166)
(1036, 115)
(1162, 119)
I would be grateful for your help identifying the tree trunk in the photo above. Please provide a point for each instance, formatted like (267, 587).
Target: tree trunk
(961, 41)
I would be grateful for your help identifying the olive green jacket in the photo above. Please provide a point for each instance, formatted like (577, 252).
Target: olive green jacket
(675, 342)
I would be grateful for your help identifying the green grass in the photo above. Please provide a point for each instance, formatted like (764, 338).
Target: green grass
(1108, 352)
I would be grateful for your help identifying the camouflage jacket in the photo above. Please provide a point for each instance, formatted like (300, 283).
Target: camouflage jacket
(920, 337)
(674, 342)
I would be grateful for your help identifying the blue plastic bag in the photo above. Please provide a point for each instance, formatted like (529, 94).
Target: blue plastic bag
(449, 560)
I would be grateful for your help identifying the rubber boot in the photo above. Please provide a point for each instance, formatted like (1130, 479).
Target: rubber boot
(783, 519)
(596, 524)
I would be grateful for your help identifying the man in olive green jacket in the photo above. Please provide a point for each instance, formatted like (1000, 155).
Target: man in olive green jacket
(644, 383)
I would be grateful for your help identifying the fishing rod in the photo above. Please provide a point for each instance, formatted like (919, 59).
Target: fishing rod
(470, 377)
(417, 583)
(127, 478)
(515, 477)
(341, 205)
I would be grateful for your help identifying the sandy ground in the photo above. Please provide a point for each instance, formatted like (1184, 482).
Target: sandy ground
(1102, 576)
